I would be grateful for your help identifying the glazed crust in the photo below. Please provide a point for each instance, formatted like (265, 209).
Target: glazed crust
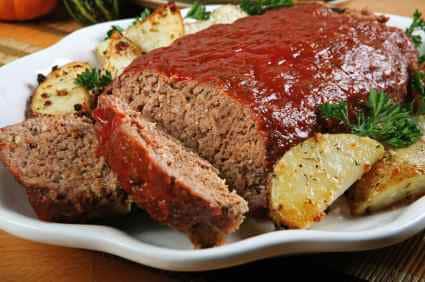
(173, 185)
(242, 94)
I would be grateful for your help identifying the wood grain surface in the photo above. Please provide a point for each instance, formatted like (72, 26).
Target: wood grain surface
(22, 260)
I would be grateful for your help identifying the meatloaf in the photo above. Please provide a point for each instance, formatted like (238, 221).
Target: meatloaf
(174, 185)
(241, 94)
(55, 159)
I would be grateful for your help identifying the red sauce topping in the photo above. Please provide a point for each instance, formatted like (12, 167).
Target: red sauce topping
(285, 63)
(164, 197)
(106, 123)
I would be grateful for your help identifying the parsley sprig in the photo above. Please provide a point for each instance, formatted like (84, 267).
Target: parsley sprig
(337, 111)
(418, 24)
(114, 28)
(418, 77)
(198, 12)
(94, 80)
(383, 120)
(418, 82)
(143, 15)
(418, 86)
(257, 7)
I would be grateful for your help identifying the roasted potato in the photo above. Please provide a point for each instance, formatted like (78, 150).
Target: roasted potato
(159, 29)
(59, 94)
(398, 178)
(224, 14)
(313, 174)
(116, 53)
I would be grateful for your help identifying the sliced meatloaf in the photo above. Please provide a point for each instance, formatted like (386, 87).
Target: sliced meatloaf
(174, 185)
(55, 159)
(242, 94)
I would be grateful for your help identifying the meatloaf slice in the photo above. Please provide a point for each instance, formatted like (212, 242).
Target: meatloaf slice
(174, 185)
(55, 159)
(242, 94)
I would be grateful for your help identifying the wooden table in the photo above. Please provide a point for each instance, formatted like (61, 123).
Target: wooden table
(22, 260)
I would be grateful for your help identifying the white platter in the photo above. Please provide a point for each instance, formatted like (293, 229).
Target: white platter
(139, 239)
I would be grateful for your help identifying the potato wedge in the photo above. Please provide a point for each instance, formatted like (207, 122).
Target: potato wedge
(398, 178)
(116, 53)
(313, 174)
(159, 29)
(59, 94)
(225, 14)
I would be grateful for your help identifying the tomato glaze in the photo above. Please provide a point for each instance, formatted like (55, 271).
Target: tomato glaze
(285, 63)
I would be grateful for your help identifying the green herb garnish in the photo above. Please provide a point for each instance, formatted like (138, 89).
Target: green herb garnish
(94, 80)
(383, 120)
(257, 7)
(418, 82)
(198, 12)
(143, 15)
(113, 29)
(418, 85)
(418, 24)
(338, 111)
(418, 78)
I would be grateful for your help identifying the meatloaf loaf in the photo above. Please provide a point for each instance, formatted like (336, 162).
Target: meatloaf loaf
(174, 185)
(55, 159)
(242, 94)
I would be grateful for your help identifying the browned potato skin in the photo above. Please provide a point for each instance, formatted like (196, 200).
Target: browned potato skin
(313, 174)
(398, 179)
(159, 29)
(389, 180)
(54, 87)
(116, 53)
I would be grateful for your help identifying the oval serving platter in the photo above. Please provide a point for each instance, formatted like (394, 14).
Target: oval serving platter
(139, 239)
